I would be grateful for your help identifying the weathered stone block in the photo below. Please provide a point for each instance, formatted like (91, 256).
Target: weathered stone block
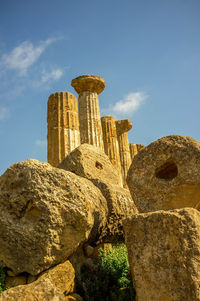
(91, 163)
(166, 175)
(164, 254)
(45, 213)
(53, 284)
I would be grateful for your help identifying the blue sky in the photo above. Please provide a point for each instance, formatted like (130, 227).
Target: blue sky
(148, 52)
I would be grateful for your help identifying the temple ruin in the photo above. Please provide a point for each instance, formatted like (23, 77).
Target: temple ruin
(71, 124)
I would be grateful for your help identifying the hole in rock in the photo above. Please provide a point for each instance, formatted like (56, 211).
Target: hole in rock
(167, 171)
(98, 165)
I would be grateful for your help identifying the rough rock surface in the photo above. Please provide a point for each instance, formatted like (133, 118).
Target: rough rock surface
(164, 254)
(90, 162)
(166, 175)
(52, 285)
(120, 206)
(45, 213)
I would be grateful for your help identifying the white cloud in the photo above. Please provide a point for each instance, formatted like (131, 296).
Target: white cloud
(52, 75)
(25, 55)
(130, 103)
(41, 142)
(4, 113)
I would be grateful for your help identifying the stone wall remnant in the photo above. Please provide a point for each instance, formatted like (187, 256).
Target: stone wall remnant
(63, 126)
(164, 251)
(123, 126)
(166, 175)
(111, 145)
(88, 87)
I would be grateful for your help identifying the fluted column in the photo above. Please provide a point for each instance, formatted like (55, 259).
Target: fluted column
(111, 145)
(88, 87)
(123, 126)
(63, 126)
(135, 148)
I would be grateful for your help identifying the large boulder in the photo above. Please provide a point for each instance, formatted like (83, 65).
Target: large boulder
(92, 163)
(89, 161)
(166, 175)
(45, 214)
(164, 252)
(53, 284)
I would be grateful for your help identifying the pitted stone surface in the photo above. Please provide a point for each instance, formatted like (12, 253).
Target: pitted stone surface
(164, 251)
(52, 285)
(90, 162)
(166, 175)
(63, 126)
(45, 213)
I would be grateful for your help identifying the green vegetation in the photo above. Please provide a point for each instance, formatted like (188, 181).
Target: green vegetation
(109, 279)
(2, 279)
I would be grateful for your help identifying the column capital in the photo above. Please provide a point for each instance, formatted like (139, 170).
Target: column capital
(91, 83)
(123, 126)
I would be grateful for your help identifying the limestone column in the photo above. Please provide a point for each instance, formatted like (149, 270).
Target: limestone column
(63, 126)
(111, 145)
(88, 87)
(133, 150)
(123, 126)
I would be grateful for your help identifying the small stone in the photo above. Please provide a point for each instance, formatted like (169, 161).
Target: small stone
(88, 250)
(74, 297)
(53, 284)
(12, 281)
(31, 279)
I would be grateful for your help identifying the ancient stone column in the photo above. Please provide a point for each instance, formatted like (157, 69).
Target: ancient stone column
(88, 87)
(111, 145)
(63, 126)
(133, 150)
(123, 126)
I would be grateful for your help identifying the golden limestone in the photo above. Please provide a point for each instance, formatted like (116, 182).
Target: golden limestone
(135, 148)
(123, 126)
(111, 145)
(88, 87)
(69, 127)
(63, 126)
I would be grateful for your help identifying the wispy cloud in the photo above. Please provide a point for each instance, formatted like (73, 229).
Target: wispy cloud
(54, 74)
(41, 142)
(23, 56)
(130, 103)
(4, 113)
